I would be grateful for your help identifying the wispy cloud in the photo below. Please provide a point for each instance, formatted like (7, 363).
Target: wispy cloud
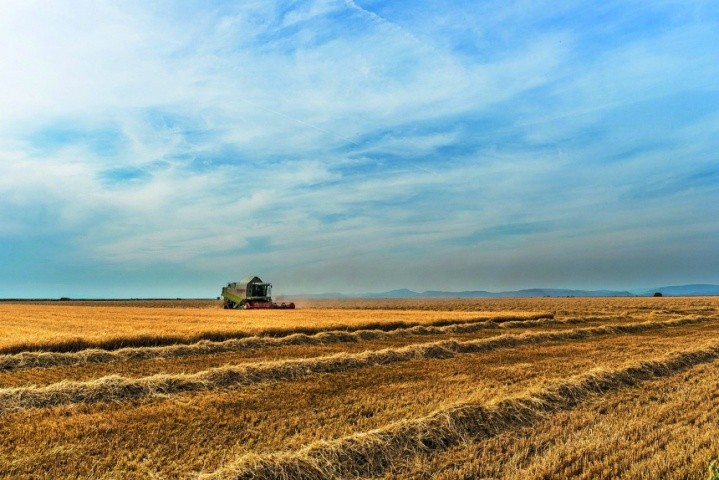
(356, 145)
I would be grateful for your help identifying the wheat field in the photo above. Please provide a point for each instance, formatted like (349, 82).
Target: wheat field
(393, 389)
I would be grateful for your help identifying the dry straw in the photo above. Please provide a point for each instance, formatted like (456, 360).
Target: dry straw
(42, 359)
(39, 359)
(145, 341)
(117, 388)
(369, 454)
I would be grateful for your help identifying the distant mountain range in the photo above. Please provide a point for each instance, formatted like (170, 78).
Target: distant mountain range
(685, 290)
(678, 290)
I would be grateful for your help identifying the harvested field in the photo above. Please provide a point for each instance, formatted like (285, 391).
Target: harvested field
(500, 388)
(56, 326)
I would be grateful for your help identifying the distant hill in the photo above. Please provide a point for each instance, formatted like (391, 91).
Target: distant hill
(532, 292)
(680, 290)
(685, 290)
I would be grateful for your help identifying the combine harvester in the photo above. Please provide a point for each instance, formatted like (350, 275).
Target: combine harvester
(250, 293)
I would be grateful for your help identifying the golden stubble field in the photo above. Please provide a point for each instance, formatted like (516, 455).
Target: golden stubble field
(401, 389)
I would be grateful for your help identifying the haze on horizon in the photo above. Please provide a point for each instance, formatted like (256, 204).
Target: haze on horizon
(154, 149)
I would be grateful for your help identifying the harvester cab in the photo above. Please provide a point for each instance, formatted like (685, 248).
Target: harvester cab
(250, 293)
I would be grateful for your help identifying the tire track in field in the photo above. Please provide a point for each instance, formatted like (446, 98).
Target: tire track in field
(115, 388)
(26, 360)
(149, 341)
(371, 453)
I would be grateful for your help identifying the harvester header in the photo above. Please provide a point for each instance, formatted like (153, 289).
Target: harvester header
(250, 293)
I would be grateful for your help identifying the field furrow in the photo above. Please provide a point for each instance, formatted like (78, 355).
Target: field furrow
(45, 359)
(40, 359)
(607, 388)
(45, 375)
(70, 329)
(194, 432)
(668, 428)
(116, 388)
(370, 453)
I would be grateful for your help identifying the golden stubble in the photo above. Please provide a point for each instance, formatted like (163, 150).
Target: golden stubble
(178, 434)
(60, 327)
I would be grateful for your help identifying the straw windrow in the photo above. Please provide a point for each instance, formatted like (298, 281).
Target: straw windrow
(35, 359)
(371, 453)
(145, 341)
(42, 359)
(116, 388)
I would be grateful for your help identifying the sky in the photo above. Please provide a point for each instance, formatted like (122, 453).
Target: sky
(165, 148)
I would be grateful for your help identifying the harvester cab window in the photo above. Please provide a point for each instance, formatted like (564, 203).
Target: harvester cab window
(259, 291)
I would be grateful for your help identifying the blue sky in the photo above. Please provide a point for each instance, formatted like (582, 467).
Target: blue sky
(165, 148)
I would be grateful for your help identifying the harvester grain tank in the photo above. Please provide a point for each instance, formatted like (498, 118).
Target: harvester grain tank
(250, 293)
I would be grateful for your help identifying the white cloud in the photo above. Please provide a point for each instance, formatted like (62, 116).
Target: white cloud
(301, 125)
